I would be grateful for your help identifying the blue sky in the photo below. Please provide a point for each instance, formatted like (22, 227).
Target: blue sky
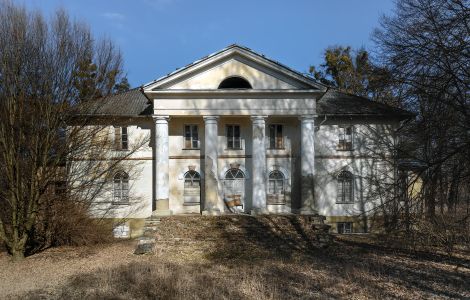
(158, 36)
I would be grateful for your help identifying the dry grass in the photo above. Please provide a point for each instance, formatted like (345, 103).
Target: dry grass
(229, 262)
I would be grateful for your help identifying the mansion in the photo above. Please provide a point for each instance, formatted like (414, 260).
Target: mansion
(237, 132)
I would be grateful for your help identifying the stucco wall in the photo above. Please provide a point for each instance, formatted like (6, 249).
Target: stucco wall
(363, 163)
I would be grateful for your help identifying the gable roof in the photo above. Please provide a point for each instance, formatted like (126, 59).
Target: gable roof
(131, 103)
(336, 103)
(233, 50)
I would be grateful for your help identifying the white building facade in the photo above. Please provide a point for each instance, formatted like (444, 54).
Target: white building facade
(236, 132)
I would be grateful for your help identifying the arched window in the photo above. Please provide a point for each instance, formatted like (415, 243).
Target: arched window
(345, 187)
(234, 82)
(234, 173)
(276, 188)
(121, 187)
(192, 187)
(234, 187)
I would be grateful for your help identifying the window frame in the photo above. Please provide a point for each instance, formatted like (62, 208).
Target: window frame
(121, 138)
(345, 140)
(186, 195)
(278, 198)
(192, 139)
(233, 136)
(343, 226)
(121, 193)
(274, 138)
(343, 177)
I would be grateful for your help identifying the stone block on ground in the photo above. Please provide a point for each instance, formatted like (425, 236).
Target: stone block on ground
(145, 245)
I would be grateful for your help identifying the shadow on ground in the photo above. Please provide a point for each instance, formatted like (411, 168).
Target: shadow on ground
(268, 258)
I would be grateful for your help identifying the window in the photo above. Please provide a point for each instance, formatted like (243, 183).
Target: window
(345, 188)
(233, 137)
(345, 136)
(276, 140)
(121, 188)
(234, 187)
(192, 187)
(121, 231)
(276, 188)
(60, 187)
(235, 82)
(191, 137)
(344, 227)
(120, 138)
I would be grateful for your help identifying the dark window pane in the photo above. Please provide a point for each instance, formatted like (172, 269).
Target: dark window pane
(236, 131)
(272, 136)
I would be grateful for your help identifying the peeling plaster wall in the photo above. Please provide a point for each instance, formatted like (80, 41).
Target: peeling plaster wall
(369, 159)
(328, 162)
(139, 166)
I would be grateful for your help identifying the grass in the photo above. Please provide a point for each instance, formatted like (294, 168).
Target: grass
(262, 258)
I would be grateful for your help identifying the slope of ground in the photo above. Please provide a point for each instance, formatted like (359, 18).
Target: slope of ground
(236, 258)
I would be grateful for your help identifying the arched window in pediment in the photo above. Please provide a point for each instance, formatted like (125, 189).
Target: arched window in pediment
(235, 82)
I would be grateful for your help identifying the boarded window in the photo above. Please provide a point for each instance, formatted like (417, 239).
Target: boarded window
(276, 188)
(234, 187)
(192, 187)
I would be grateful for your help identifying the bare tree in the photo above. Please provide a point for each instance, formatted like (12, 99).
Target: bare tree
(425, 45)
(49, 69)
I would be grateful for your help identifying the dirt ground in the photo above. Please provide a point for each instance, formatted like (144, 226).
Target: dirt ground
(353, 267)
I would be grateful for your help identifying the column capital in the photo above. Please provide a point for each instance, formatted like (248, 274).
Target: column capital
(210, 119)
(307, 118)
(258, 118)
(161, 119)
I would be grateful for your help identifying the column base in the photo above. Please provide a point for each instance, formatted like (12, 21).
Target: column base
(211, 212)
(162, 213)
(259, 211)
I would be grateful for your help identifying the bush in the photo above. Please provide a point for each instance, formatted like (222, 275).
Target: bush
(64, 222)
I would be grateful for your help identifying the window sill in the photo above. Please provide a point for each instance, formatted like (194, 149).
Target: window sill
(120, 203)
(283, 148)
(344, 150)
(344, 202)
(191, 149)
(191, 203)
(230, 149)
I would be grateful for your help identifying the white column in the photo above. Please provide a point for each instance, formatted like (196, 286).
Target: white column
(212, 205)
(162, 165)
(259, 165)
(307, 162)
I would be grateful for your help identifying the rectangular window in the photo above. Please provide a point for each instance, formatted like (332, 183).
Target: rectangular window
(121, 141)
(60, 187)
(191, 137)
(233, 137)
(345, 138)
(276, 139)
(124, 140)
(344, 227)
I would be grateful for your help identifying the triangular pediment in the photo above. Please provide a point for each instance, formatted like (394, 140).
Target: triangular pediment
(261, 72)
